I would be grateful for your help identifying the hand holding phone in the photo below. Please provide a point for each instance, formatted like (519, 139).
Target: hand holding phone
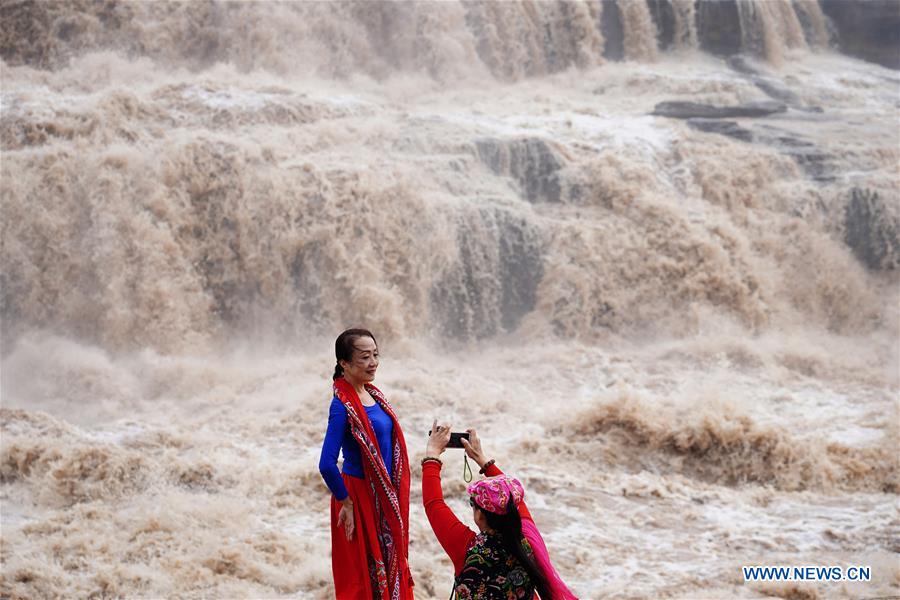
(456, 438)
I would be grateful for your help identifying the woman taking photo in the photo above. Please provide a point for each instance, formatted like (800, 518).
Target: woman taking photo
(508, 557)
(370, 499)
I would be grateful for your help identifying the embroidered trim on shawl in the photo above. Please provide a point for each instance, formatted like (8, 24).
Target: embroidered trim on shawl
(391, 487)
(388, 485)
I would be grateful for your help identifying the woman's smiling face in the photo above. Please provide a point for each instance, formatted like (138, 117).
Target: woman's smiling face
(364, 363)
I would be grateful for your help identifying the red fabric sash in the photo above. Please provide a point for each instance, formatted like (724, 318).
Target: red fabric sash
(389, 495)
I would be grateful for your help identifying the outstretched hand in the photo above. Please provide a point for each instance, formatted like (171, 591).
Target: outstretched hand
(473, 448)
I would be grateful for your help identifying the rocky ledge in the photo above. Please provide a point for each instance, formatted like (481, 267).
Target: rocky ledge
(695, 110)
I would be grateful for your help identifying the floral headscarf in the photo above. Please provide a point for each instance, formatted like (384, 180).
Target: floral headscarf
(493, 493)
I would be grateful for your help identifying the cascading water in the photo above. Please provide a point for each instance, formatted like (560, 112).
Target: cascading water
(649, 249)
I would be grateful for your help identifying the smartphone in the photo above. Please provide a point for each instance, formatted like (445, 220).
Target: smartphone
(455, 439)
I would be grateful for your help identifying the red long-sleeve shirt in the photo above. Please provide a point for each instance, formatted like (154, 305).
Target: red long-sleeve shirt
(455, 538)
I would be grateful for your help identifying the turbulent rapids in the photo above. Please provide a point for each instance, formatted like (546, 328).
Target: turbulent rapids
(650, 249)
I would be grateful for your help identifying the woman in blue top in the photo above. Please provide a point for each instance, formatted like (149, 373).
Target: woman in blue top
(370, 499)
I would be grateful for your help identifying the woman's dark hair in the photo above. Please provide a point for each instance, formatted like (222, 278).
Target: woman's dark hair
(509, 526)
(344, 346)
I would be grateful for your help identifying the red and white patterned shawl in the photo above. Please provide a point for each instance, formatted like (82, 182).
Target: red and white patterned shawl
(388, 494)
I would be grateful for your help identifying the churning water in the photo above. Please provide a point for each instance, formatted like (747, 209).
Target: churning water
(678, 327)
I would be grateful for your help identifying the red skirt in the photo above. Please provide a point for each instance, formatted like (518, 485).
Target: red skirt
(358, 565)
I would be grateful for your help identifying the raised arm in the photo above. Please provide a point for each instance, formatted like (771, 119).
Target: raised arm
(454, 537)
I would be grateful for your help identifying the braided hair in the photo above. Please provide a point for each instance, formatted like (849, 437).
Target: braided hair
(509, 526)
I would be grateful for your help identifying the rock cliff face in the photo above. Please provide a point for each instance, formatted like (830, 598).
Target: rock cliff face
(532, 162)
(719, 27)
(872, 230)
(869, 30)
(611, 29)
(663, 14)
(495, 279)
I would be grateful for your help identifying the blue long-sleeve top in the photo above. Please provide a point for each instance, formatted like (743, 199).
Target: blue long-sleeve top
(338, 438)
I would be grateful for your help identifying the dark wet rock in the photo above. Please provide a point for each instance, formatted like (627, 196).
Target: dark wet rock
(521, 270)
(694, 110)
(740, 64)
(532, 162)
(872, 230)
(494, 283)
(727, 128)
(663, 15)
(792, 142)
(776, 91)
(869, 30)
(809, 24)
(816, 164)
(11, 289)
(719, 27)
(308, 267)
(770, 87)
(613, 33)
